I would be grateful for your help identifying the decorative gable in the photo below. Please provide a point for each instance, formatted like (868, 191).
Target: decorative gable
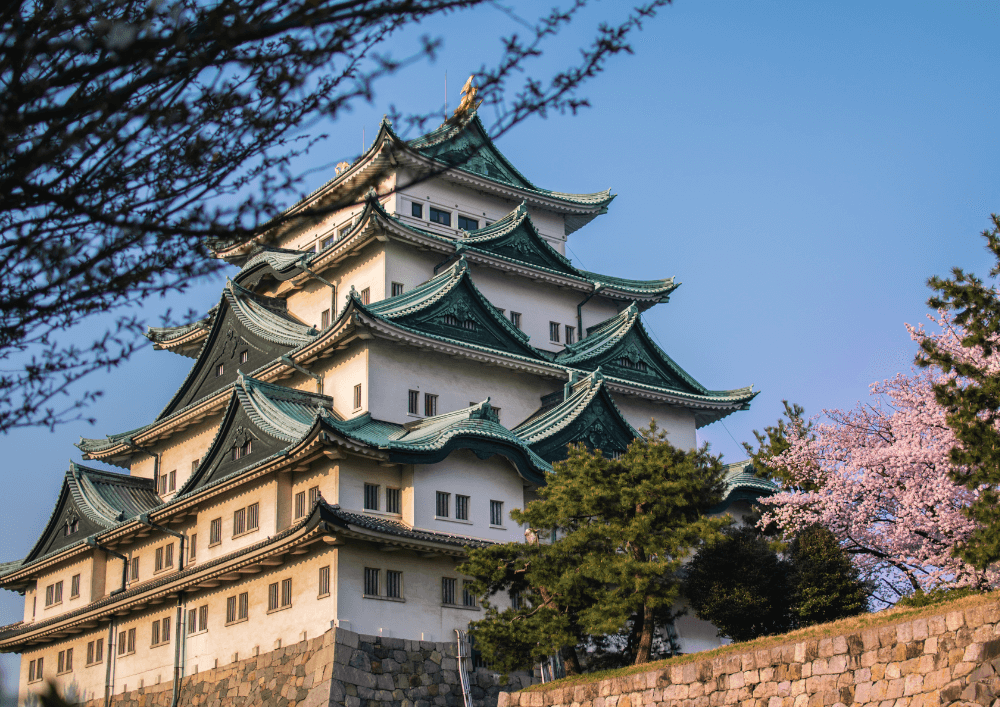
(515, 237)
(470, 148)
(69, 525)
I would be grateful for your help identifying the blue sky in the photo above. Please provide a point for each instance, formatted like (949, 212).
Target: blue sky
(801, 168)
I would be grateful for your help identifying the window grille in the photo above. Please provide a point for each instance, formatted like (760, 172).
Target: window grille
(468, 598)
(65, 661)
(286, 592)
(219, 370)
(133, 569)
(357, 397)
(95, 651)
(253, 516)
(193, 547)
(313, 495)
(244, 356)
(272, 596)
(74, 586)
(430, 405)
(324, 318)
(626, 362)
(35, 670)
(366, 296)
(203, 617)
(371, 497)
(443, 501)
(447, 590)
(168, 560)
(237, 607)
(172, 480)
(413, 400)
(239, 521)
(394, 584)
(461, 507)
(496, 512)
(570, 334)
(371, 581)
(165, 633)
(324, 581)
(515, 319)
(244, 605)
(300, 504)
(554, 331)
(439, 216)
(467, 224)
(215, 532)
(393, 502)
(155, 633)
(397, 289)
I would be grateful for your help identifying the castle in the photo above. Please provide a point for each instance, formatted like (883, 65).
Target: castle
(375, 390)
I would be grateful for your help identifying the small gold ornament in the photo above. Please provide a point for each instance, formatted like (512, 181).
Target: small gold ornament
(342, 167)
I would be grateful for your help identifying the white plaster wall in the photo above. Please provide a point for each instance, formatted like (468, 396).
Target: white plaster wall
(180, 450)
(63, 572)
(223, 506)
(308, 302)
(408, 266)
(342, 372)
(355, 473)
(420, 615)
(395, 370)
(678, 422)
(464, 473)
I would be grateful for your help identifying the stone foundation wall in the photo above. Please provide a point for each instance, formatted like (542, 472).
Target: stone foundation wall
(337, 669)
(951, 657)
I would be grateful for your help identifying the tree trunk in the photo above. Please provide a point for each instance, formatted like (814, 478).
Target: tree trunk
(570, 660)
(645, 647)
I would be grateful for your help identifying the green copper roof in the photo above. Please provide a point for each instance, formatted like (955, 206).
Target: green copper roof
(467, 146)
(163, 336)
(587, 414)
(450, 305)
(743, 485)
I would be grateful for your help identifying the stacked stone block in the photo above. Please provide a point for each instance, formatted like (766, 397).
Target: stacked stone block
(337, 669)
(952, 657)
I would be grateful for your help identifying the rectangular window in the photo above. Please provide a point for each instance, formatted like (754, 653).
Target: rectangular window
(327, 242)
(412, 402)
(237, 607)
(344, 230)
(95, 652)
(155, 634)
(468, 598)
(35, 670)
(496, 513)
(74, 586)
(467, 224)
(49, 593)
(244, 356)
(570, 334)
(357, 397)
(126, 642)
(194, 465)
(366, 295)
(133, 569)
(158, 559)
(430, 405)
(324, 318)
(57, 599)
(219, 370)
(443, 501)
(439, 216)
(172, 481)
(215, 532)
(253, 516)
(300, 504)
(447, 590)
(161, 484)
(203, 617)
(90, 653)
(554, 331)
(371, 581)
(242, 450)
(286, 592)
(272, 596)
(193, 547)
(168, 560)
(416, 210)
(393, 502)
(324, 581)
(61, 663)
(193, 621)
(515, 319)
(394, 584)
(397, 289)
(461, 507)
(239, 521)
(165, 633)
(313, 495)
(371, 497)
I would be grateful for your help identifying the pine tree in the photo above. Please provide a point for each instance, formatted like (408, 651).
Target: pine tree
(824, 585)
(623, 528)
(740, 585)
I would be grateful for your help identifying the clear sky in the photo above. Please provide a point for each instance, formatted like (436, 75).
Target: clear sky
(801, 168)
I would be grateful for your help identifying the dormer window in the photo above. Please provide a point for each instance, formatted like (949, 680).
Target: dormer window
(244, 356)
(626, 362)
(219, 370)
(72, 526)
(242, 450)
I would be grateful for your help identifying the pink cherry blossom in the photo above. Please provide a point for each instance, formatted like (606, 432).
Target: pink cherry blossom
(884, 489)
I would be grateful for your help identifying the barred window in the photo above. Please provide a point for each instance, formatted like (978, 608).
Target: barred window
(496, 513)
(272, 596)
(65, 661)
(286, 592)
(397, 289)
(158, 559)
(172, 480)
(554, 332)
(193, 547)
(570, 334)
(197, 619)
(219, 370)
(324, 318)
(393, 584)
(133, 569)
(366, 295)
(393, 502)
(515, 319)
(468, 598)
(313, 495)
(324, 581)
(430, 405)
(95, 651)
(447, 590)
(244, 356)
(461, 507)
(253, 516)
(215, 532)
(371, 581)
(126, 642)
(230, 610)
(357, 396)
(155, 633)
(203, 617)
(371, 497)
(300, 504)
(413, 402)
(237, 607)
(35, 670)
(74, 586)
(244, 608)
(57, 593)
(165, 632)
(168, 560)
(443, 501)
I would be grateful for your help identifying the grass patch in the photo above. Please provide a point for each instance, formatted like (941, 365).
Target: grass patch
(843, 627)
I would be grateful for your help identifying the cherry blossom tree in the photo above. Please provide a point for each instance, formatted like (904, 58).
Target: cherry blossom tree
(878, 478)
